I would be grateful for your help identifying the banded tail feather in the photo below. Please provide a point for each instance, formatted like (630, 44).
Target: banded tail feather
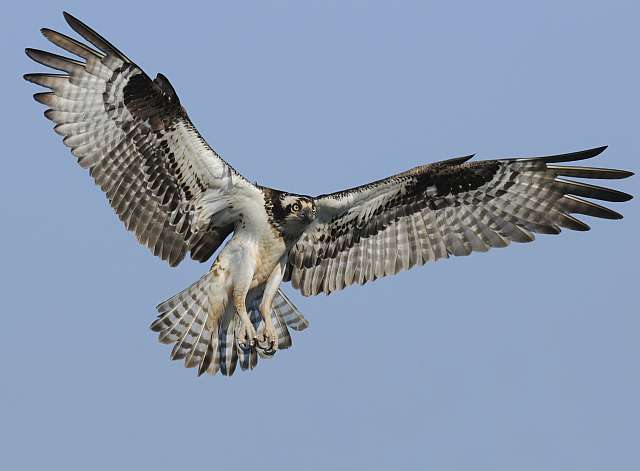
(204, 330)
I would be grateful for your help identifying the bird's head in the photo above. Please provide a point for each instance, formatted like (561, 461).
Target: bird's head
(298, 212)
(289, 213)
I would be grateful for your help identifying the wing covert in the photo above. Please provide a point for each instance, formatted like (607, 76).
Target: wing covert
(136, 139)
(452, 207)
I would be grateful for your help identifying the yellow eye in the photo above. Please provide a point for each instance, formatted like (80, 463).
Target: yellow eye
(296, 207)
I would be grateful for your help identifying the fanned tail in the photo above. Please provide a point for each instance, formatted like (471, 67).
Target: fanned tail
(203, 328)
(288, 312)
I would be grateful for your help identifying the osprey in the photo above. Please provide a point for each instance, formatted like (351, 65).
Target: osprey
(178, 196)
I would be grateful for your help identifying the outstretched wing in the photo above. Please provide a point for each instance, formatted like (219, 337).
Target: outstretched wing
(446, 208)
(163, 180)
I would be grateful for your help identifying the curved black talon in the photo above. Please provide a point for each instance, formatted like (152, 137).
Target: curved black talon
(268, 348)
(246, 347)
(271, 350)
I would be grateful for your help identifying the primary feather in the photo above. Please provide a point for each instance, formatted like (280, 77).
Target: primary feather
(139, 145)
(453, 207)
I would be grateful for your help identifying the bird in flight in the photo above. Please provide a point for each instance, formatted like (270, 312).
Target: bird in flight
(178, 196)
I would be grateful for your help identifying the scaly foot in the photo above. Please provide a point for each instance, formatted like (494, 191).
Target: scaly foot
(246, 335)
(268, 339)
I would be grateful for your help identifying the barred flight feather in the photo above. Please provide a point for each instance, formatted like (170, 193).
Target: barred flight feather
(137, 142)
(452, 207)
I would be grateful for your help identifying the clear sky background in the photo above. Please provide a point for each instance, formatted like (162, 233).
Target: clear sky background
(525, 358)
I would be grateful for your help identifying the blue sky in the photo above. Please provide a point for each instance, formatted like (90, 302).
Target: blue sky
(524, 358)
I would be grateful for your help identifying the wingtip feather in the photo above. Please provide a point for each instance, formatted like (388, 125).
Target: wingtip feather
(589, 172)
(571, 156)
(68, 17)
(598, 150)
(93, 36)
(457, 160)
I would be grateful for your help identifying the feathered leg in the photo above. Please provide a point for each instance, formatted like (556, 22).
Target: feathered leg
(242, 277)
(268, 339)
